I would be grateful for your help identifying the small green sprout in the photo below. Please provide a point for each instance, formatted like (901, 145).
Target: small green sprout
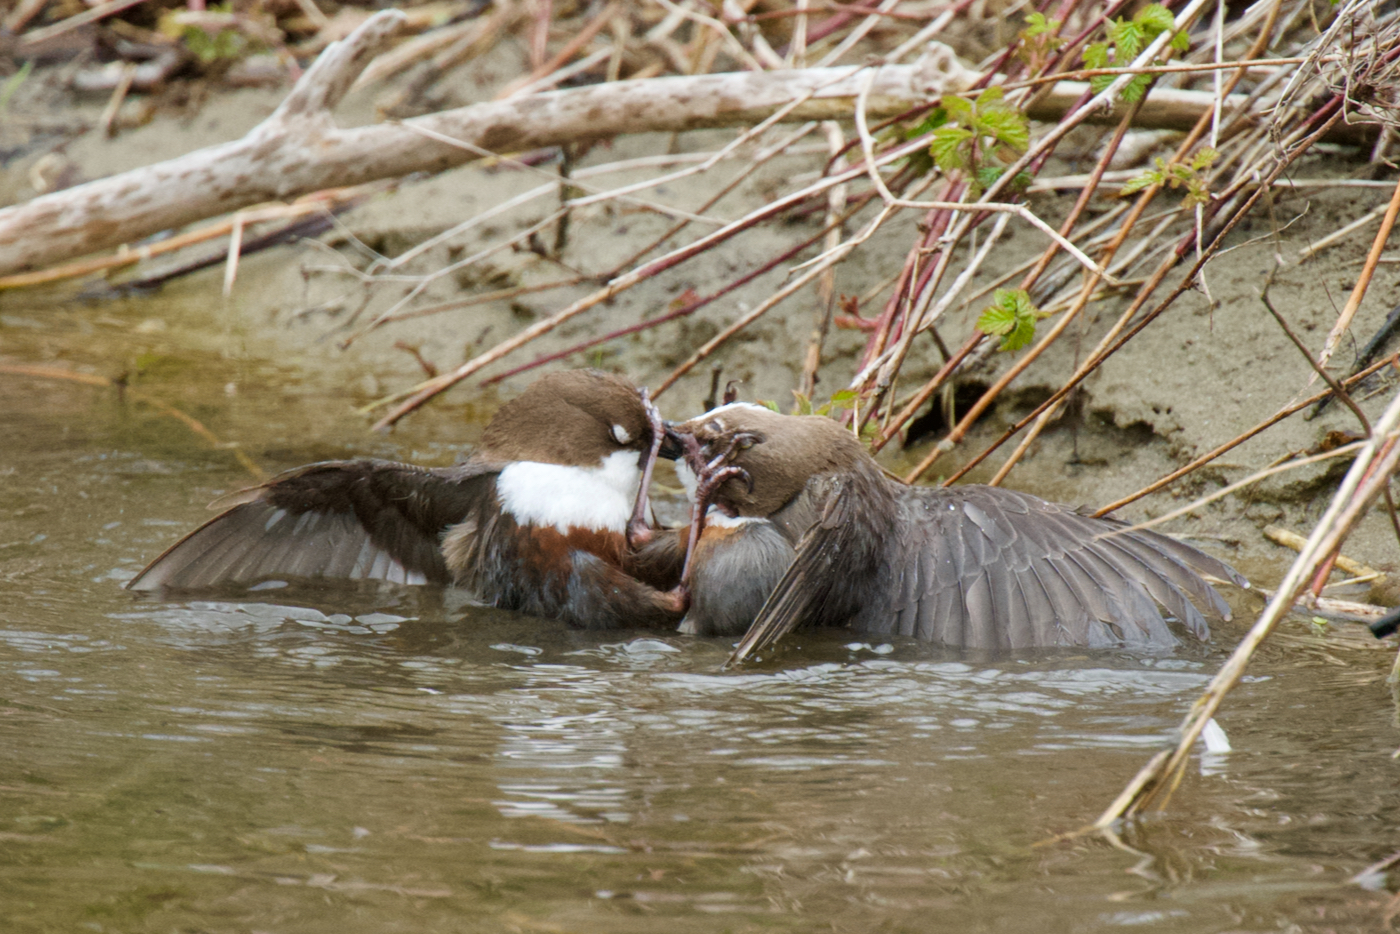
(1126, 40)
(1040, 40)
(1012, 317)
(976, 132)
(1188, 175)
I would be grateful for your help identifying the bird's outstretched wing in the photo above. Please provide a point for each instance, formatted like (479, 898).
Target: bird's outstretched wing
(985, 567)
(835, 559)
(359, 519)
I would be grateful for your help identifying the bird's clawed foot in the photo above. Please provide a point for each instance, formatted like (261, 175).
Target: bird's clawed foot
(707, 483)
(677, 599)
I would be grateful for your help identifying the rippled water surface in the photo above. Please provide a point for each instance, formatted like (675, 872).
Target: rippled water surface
(348, 761)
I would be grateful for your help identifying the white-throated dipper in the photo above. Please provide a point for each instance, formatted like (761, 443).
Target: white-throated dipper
(973, 566)
(537, 519)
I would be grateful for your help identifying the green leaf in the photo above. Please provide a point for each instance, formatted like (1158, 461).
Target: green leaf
(988, 175)
(1020, 336)
(1006, 126)
(946, 147)
(768, 404)
(958, 108)
(1038, 25)
(1181, 42)
(1136, 88)
(1139, 182)
(804, 404)
(1096, 55)
(997, 321)
(1128, 40)
(992, 95)
(844, 397)
(1012, 317)
(1204, 159)
(1155, 19)
(933, 121)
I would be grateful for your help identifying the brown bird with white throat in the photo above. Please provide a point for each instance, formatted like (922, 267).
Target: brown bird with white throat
(538, 519)
(973, 566)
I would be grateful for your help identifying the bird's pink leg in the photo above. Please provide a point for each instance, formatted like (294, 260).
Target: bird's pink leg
(710, 475)
(639, 526)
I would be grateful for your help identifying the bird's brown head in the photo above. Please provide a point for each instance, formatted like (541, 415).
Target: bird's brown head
(575, 418)
(779, 453)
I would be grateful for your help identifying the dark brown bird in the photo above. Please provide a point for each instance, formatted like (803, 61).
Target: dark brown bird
(536, 520)
(974, 566)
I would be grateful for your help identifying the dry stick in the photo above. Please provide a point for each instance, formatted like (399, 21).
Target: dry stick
(1029, 280)
(1141, 204)
(1044, 414)
(585, 36)
(684, 310)
(1087, 73)
(22, 13)
(1210, 118)
(1104, 352)
(802, 9)
(446, 48)
(923, 283)
(932, 386)
(426, 390)
(1368, 475)
(773, 300)
(484, 297)
(556, 78)
(327, 200)
(735, 47)
(194, 424)
(1359, 290)
(859, 33)
(542, 190)
(1248, 481)
(826, 291)
(918, 321)
(424, 281)
(876, 346)
(1280, 415)
(101, 11)
(689, 307)
(753, 166)
(299, 148)
(539, 38)
(1338, 392)
(910, 278)
(114, 104)
(1341, 233)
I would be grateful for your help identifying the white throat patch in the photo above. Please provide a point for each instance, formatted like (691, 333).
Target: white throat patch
(596, 498)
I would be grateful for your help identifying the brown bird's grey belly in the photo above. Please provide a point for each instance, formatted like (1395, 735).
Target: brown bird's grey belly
(735, 568)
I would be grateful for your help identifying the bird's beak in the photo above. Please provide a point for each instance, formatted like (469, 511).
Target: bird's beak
(671, 447)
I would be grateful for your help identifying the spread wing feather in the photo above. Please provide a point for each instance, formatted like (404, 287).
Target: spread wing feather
(985, 567)
(358, 519)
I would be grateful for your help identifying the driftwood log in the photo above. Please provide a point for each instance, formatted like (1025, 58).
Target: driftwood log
(299, 149)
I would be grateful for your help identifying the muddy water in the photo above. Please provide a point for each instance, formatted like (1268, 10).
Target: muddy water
(387, 760)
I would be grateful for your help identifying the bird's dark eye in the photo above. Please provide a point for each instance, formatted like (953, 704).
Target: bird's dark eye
(621, 435)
